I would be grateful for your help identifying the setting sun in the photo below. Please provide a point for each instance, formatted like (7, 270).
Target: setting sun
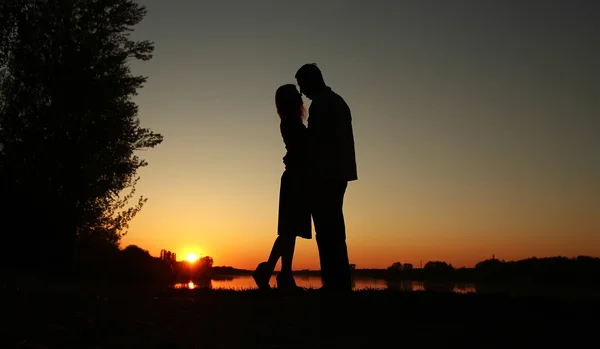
(192, 257)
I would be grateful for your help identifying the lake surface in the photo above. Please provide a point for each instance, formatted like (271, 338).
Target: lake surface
(246, 282)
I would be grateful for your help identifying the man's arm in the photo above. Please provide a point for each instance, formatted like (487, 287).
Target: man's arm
(329, 127)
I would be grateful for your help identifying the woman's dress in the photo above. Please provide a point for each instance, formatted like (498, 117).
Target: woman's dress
(294, 212)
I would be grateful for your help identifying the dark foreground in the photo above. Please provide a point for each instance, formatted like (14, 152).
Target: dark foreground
(103, 318)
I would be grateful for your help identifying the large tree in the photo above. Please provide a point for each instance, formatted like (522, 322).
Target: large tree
(69, 128)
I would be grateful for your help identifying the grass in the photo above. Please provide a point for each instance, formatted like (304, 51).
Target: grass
(109, 317)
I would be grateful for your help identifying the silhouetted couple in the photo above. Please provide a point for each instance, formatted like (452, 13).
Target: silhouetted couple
(319, 163)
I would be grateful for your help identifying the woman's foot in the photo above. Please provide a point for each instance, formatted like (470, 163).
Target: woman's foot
(262, 275)
(286, 282)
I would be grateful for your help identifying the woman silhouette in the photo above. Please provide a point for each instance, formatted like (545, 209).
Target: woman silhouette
(294, 214)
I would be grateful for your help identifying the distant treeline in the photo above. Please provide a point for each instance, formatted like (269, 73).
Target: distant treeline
(129, 265)
(135, 265)
(580, 270)
(229, 271)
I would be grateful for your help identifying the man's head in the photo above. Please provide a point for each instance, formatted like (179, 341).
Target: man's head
(310, 80)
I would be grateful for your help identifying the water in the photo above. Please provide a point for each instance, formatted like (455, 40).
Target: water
(246, 282)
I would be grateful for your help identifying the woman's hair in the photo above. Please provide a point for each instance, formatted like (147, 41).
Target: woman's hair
(289, 102)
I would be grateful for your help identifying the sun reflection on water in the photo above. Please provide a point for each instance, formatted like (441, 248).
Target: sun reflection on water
(246, 282)
(190, 285)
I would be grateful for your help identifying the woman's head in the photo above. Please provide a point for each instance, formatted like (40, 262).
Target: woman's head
(289, 102)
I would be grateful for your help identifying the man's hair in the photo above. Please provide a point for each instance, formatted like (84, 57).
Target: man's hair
(310, 72)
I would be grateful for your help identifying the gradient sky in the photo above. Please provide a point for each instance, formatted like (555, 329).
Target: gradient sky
(476, 126)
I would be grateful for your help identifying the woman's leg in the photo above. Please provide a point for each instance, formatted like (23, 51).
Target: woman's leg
(275, 254)
(264, 270)
(283, 247)
(288, 244)
(285, 279)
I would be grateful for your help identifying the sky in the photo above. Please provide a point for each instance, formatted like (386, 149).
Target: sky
(476, 126)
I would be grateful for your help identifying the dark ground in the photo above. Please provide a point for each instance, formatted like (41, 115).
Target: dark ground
(103, 317)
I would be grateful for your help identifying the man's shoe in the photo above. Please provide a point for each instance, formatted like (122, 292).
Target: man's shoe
(335, 289)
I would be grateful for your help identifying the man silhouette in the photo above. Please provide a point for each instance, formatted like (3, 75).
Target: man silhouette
(332, 165)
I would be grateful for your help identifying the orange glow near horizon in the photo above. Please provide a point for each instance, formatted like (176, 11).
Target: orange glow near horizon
(188, 252)
(191, 257)
(381, 252)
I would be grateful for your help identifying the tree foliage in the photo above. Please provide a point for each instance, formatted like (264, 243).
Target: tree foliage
(69, 129)
(207, 261)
